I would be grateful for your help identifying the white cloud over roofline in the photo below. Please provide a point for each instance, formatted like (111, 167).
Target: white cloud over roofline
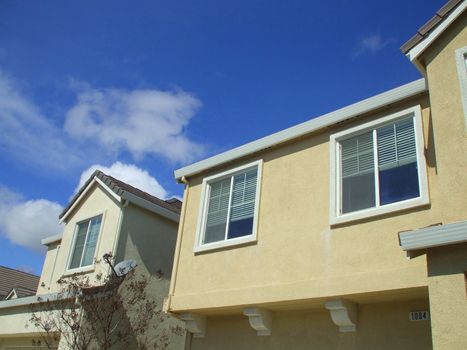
(129, 174)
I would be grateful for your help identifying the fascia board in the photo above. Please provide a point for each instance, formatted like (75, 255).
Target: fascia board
(434, 236)
(417, 50)
(33, 299)
(94, 180)
(51, 239)
(151, 206)
(353, 110)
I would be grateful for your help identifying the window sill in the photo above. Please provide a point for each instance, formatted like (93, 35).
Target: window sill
(372, 212)
(79, 270)
(224, 244)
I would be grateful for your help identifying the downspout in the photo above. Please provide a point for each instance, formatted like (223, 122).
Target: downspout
(119, 230)
(178, 245)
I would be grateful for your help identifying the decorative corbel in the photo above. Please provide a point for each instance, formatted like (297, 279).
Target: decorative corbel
(260, 320)
(195, 324)
(343, 314)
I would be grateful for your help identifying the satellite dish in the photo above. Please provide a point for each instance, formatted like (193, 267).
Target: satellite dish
(125, 266)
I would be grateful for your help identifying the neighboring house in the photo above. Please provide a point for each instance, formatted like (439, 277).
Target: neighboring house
(16, 284)
(106, 215)
(292, 241)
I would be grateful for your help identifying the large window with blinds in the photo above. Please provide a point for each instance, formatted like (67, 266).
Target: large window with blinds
(378, 167)
(85, 242)
(230, 203)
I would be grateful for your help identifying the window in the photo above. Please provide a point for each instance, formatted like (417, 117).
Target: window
(378, 167)
(229, 208)
(461, 60)
(86, 235)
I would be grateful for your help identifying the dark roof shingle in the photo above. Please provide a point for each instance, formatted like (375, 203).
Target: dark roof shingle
(429, 26)
(24, 283)
(119, 188)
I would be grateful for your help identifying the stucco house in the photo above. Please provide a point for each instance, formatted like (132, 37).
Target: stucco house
(347, 231)
(106, 215)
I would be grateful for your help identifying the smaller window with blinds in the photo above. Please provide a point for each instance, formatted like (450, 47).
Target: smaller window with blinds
(378, 167)
(229, 208)
(85, 242)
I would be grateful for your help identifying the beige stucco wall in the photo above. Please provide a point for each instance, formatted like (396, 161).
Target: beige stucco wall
(446, 265)
(95, 202)
(49, 267)
(298, 255)
(450, 136)
(448, 296)
(381, 326)
(150, 239)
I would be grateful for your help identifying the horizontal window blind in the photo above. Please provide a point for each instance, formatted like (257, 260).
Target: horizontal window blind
(218, 203)
(396, 144)
(243, 195)
(357, 155)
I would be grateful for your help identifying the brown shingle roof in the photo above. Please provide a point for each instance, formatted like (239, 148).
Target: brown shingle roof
(428, 27)
(25, 283)
(120, 187)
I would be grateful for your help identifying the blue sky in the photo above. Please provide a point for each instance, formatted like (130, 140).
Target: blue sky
(141, 88)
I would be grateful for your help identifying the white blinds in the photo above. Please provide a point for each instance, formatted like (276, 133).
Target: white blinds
(243, 195)
(396, 144)
(357, 155)
(218, 203)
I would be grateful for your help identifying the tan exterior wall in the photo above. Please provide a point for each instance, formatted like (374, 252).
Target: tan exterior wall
(381, 326)
(298, 255)
(448, 296)
(150, 240)
(49, 267)
(449, 186)
(96, 202)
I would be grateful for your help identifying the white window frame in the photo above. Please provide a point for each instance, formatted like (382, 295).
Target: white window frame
(335, 217)
(202, 216)
(90, 267)
(461, 62)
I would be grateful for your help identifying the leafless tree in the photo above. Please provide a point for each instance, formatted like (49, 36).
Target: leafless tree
(105, 313)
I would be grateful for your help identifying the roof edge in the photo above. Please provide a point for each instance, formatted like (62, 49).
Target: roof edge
(33, 299)
(51, 239)
(434, 236)
(140, 202)
(416, 45)
(317, 123)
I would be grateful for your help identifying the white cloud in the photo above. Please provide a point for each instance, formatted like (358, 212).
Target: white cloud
(371, 43)
(130, 174)
(26, 222)
(101, 125)
(140, 121)
(28, 135)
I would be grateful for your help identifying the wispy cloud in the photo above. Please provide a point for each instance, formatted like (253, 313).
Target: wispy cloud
(370, 44)
(100, 126)
(130, 174)
(26, 222)
(27, 135)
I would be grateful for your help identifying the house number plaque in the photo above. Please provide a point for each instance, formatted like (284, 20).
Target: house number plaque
(419, 316)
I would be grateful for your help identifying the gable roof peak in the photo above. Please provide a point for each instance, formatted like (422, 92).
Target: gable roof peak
(123, 190)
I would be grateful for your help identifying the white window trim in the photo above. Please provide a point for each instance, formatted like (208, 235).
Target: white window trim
(335, 193)
(461, 55)
(91, 267)
(202, 215)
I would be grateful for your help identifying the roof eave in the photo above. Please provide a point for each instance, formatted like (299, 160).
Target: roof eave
(353, 110)
(433, 236)
(51, 239)
(414, 53)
